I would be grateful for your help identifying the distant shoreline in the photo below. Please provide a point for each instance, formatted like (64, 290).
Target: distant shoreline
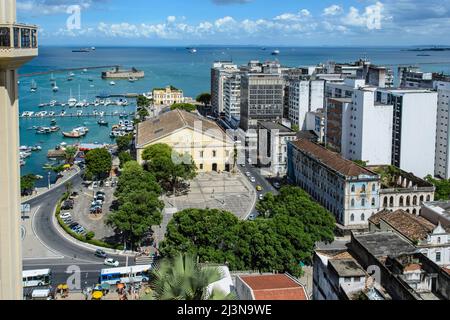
(427, 49)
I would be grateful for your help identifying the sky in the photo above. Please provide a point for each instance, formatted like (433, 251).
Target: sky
(239, 22)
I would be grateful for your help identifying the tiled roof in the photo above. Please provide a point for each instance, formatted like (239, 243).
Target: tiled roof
(169, 122)
(412, 267)
(412, 227)
(332, 159)
(376, 218)
(275, 287)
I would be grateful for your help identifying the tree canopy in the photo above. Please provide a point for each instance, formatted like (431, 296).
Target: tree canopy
(279, 242)
(204, 98)
(184, 106)
(124, 142)
(159, 161)
(98, 163)
(442, 188)
(139, 207)
(69, 154)
(27, 183)
(142, 101)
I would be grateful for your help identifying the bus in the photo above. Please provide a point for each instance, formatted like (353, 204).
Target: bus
(36, 278)
(130, 274)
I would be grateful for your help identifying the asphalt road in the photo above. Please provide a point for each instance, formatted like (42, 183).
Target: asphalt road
(71, 254)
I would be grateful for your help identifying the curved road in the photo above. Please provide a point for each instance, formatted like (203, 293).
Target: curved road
(70, 253)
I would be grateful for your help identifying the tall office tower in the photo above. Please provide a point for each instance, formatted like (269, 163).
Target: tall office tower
(219, 73)
(261, 99)
(18, 45)
(232, 96)
(442, 159)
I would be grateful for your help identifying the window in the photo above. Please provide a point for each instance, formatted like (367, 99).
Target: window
(201, 166)
(363, 202)
(352, 217)
(214, 153)
(401, 202)
(438, 239)
(363, 217)
(353, 188)
(347, 280)
(438, 257)
(201, 154)
(353, 203)
(373, 187)
(373, 202)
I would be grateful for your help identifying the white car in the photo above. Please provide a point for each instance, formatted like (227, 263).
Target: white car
(252, 179)
(111, 262)
(65, 215)
(248, 174)
(261, 197)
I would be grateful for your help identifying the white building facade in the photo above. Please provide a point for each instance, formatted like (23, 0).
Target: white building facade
(304, 96)
(442, 163)
(232, 96)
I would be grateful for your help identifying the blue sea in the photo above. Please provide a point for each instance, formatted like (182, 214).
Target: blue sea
(163, 66)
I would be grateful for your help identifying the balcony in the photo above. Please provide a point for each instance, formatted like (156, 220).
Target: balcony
(18, 44)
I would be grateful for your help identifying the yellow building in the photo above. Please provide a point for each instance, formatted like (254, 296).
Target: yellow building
(18, 45)
(209, 146)
(167, 96)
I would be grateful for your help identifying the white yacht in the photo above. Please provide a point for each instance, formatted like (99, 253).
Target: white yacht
(55, 88)
(112, 83)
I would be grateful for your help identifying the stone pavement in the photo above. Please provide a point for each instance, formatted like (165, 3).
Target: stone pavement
(32, 247)
(223, 191)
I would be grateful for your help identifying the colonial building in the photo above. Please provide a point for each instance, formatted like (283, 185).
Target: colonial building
(188, 133)
(346, 189)
(167, 96)
(402, 190)
(430, 239)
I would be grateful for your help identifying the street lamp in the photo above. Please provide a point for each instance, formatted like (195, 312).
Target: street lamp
(49, 174)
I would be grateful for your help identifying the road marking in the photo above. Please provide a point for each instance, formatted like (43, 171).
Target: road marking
(42, 242)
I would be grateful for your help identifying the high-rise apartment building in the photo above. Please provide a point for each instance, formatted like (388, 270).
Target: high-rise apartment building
(220, 71)
(232, 96)
(18, 45)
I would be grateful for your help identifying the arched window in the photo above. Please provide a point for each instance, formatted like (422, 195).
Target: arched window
(408, 201)
(363, 217)
(415, 201)
(414, 211)
(373, 202)
(421, 199)
(428, 198)
(391, 202)
(363, 202)
(373, 187)
(353, 202)
(385, 202)
(401, 202)
(407, 210)
(363, 189)
(353, 188)
(352, 217)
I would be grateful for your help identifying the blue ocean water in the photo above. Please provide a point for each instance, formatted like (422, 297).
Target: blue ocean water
(163, 66)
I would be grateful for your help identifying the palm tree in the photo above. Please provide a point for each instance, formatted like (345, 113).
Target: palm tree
(182, 278)
(69, 154)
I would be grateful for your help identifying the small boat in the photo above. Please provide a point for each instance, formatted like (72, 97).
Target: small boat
(43, 130)
(33, 86)
(102, 113)
(90, 79)
(55, 88)
(112, 83)
(75, 133)
(79, 113)
(102, 122)
(192, 50)
(107, 102)
(55, 129)
(24, 148)
(123, 115)
(72, 102)
(275, 52)
(52, 103)
(63, 113)
(132, 79)
(36, 148)
(71, 74)
(22, 162)
(85, 70)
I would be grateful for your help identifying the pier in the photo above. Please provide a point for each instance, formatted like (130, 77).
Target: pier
(66, 70)
(76, 115)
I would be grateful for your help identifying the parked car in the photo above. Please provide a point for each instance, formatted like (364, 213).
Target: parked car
(73, 224)
(100, 253)
(252, 217)
(277, 185)
(97, 203)
(65, 215)
(261, 197)
(67, 205)
(259, 188)
(68, 221)
(248, 174)
(100, 197)
(100, 193)
(252, 179)
(95, 184)
(96, 209)
(111, 262)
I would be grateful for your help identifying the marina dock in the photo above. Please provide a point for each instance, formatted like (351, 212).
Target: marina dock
(66, 70)
(76, 115)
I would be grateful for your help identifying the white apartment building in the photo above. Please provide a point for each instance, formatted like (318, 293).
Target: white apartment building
(356, 125)
(220, 71)
(315, 121)
(413, 128)
(304, 96)
(442, 163)
(232, 96)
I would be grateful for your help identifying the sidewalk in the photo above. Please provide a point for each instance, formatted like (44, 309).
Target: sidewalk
(67, 175)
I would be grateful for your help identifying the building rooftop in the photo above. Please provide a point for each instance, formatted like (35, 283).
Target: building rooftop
(275, 287)
(412, 227)
(393, 177)
(383, 244)
(442, 208)
(169, 122)
(341, 100)
(332, 159)
(276, 126)
(346, 267)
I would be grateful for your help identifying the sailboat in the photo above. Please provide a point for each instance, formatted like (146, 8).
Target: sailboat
(55, 87)
(33, 86)
(72, 101)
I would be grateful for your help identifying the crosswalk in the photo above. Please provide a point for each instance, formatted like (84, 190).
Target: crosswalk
(144, 260)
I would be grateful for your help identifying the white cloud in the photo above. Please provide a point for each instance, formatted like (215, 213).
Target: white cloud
(333, 10)
(371, 18)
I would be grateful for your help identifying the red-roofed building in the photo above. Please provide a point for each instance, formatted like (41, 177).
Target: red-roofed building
(269, 287)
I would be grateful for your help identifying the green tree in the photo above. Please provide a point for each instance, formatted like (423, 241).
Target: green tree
(124, 142)
(183, 106)
(142, 113)
(124, 157)
(142, 101)
(360, 163)
(99, 163)
(295, 128)
(139, 207)
(168, 166)
(69, 154)
(27, 183)
(442, 188)
(182, 278)
(204, 98)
